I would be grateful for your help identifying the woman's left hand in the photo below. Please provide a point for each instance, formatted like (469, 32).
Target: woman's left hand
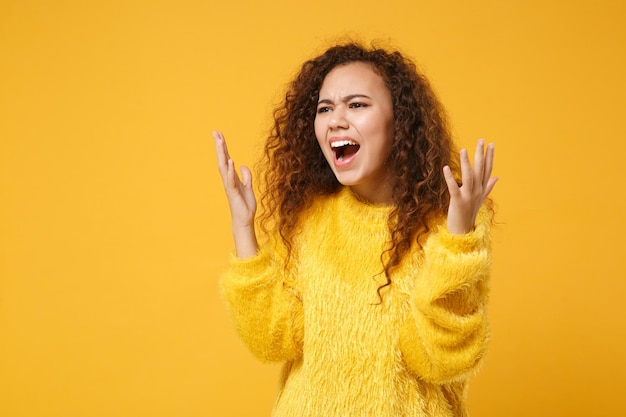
(465, 200)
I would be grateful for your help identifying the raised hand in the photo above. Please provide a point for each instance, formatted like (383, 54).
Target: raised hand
(465, 200)
(241, 199)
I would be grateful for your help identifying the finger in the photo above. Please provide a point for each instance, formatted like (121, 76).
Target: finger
(219, 146)
(225, 146)
(488, 163)
(225, 164)
(219, 138)
(479, 158)
(246, 176)
(466, 170)
(453, 187)
(490, 184)
(221, 142)
(232, 179)
(222, 159)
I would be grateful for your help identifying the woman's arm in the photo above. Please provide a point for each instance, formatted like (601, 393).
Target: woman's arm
(266, 311)
(241, 200)
(445, 335)
(265, 307)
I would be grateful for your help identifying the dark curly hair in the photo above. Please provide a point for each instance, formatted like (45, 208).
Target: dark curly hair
(296, 172)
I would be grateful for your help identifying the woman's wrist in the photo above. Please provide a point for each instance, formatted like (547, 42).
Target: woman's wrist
(246, 245)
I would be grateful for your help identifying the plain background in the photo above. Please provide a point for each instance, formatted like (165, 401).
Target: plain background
(114, 228)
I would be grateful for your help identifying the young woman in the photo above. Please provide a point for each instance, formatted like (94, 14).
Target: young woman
(372, 284)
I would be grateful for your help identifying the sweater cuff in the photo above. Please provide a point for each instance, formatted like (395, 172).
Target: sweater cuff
(250, 269)
(471, 241)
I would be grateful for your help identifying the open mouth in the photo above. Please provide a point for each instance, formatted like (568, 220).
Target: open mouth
(344, 149)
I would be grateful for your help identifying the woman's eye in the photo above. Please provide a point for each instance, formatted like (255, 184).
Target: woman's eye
(357, 105)
(323, 109)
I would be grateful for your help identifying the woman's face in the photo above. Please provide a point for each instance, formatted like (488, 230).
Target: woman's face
(354, 128)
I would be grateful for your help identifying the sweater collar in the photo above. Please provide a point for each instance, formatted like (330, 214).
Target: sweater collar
(350, 204)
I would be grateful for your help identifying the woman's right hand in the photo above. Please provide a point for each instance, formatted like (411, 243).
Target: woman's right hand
(241, 199)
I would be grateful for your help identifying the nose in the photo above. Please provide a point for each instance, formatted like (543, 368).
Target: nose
(338, 119)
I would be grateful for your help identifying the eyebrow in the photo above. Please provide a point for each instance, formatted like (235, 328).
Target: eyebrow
(344, 99)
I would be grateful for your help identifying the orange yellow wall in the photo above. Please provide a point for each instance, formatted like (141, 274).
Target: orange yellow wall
(114, 229)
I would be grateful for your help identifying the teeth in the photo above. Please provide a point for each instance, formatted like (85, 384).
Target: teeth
(340, 143)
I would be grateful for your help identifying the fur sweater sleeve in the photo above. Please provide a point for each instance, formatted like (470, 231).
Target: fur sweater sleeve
(446, 332)
(265, 307)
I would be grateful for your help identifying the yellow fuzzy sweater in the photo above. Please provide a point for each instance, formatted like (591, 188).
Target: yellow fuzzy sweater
(346, 354)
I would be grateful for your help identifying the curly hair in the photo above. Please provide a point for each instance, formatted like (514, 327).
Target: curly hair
(296, 172)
